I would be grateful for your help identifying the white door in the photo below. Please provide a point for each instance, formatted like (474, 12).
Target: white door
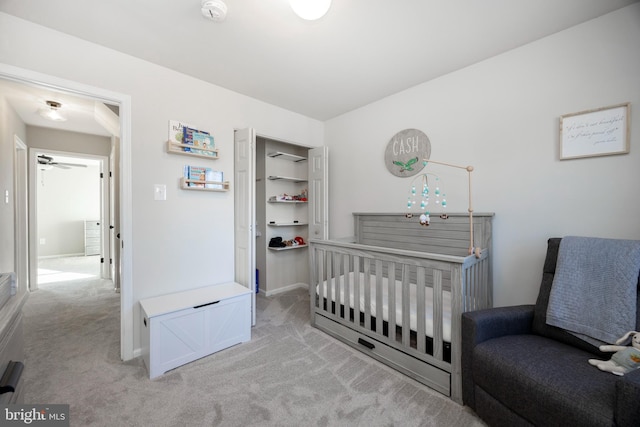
(318, 194)
(245, 212)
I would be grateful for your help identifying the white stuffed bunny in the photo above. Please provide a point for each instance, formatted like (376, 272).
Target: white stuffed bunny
(625, 359)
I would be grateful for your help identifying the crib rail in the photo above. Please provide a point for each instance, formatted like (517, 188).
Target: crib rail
(339, 269)
(444, 236)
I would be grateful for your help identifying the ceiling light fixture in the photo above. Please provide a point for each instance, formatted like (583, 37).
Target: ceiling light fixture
(310, 9)
(216, 10)
(51, 112)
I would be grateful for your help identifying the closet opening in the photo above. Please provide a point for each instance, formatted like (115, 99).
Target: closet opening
(282, 216)
(271, 178)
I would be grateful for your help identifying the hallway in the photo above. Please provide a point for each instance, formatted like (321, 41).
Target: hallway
(63, 269)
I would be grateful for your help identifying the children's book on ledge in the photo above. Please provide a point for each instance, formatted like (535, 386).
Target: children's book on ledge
(206, 177)
(202, 140)
(183, 133)
(196, 138)
(176, 131)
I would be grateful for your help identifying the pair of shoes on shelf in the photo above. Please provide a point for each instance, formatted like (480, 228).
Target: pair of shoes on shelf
(276, 242)
(289, 198)
(296, 241)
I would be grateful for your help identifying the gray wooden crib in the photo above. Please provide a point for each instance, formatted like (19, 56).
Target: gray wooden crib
(397, 271)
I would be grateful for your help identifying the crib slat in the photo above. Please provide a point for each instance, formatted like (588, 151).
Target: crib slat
(320, 279)
(487, 300)
(421, 342)
(456, 334)
(477, 295)
(357, 285)
(438, 346)
(469, 297)
(478, 298)
(330, 281)
(337, 263)
(347, 285)
(391, 269)
(473, 299)
(367, 293)
(379, 294)
(406, 332)
(487, 283)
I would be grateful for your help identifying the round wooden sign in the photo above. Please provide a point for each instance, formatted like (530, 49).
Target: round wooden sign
(406, 152)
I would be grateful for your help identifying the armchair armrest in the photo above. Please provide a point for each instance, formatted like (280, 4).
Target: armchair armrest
(482, 325)
(627, 410)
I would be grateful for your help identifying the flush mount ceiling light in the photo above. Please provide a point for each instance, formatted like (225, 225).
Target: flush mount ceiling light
(51, 112)
(310, 9)
(216, 10)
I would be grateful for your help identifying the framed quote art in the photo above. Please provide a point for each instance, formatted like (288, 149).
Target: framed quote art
(599, 132)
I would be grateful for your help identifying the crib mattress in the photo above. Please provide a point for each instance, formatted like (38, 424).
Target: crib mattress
(446, 303)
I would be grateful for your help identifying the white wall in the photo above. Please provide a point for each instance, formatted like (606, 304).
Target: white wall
(502, 117)
(65, 141)
(10, 125)
(66, 198)
(187, 240)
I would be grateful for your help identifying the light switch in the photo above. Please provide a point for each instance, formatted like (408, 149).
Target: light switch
(160, 192)
(6, 197)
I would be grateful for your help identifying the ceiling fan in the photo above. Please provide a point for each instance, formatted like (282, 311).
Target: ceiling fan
(47, 162)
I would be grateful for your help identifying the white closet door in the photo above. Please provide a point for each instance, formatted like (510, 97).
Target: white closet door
(318, 193)
(245, 213)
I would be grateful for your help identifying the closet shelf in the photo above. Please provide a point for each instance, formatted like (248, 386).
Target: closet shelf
(285, 178)
(286, 156)
(204, 153)
(285, 224)
(286, 248)
(184, 184)
(288, 201)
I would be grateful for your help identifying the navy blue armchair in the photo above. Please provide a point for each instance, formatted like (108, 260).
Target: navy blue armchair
(519, 371)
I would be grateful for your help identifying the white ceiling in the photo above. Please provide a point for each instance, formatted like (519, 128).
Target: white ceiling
(27, 100)
(361, 51)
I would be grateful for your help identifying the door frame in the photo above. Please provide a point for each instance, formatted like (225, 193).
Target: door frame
(21, 212)
(123, 101)
(104, 218)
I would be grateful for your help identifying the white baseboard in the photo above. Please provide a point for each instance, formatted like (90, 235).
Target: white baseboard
(137, 353)
(286, 288)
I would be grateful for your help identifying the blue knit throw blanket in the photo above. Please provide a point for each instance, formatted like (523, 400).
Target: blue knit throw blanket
(594, 288)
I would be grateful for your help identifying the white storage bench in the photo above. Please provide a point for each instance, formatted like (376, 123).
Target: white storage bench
(185, 326)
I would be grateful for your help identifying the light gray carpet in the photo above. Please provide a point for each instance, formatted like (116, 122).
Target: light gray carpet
(289, 374)
(60, 269)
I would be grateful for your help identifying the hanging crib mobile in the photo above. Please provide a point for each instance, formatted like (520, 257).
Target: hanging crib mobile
(431, 192)
(425, 195)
